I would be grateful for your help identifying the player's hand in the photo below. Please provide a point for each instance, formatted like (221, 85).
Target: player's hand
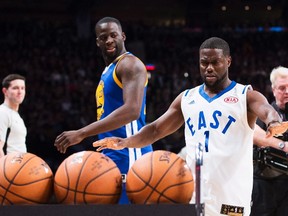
(111, 143)
(66, 139)
(277, 129)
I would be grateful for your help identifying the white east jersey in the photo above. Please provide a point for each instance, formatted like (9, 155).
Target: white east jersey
(220, 124)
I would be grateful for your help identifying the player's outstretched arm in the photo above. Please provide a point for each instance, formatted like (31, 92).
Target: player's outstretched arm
(258, 106)
(166, 124)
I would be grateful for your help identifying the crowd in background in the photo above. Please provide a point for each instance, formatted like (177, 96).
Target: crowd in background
(63, 70)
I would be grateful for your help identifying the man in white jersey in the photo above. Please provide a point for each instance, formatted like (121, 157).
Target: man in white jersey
(12, 128)
(220, 114)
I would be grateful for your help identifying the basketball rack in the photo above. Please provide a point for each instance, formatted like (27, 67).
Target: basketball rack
(199, 162)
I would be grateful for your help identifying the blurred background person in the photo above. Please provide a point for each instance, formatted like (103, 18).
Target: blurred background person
(270, 187)
(12, 127)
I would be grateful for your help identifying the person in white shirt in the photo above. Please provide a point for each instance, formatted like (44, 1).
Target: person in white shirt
(12, 127)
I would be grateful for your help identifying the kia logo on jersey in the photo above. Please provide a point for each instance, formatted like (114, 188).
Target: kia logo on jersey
(231, 99)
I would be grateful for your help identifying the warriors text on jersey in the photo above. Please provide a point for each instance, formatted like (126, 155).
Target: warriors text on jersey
(220, 124)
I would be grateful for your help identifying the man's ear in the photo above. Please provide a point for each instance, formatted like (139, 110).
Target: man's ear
(4, 90)
(229, 60)
(123, 36)
(97, 44)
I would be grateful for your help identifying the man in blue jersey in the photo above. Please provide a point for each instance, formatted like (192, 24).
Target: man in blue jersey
(120, 96)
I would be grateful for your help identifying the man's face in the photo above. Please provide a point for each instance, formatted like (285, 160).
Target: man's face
(280, 91)
(110, 39)
(15, 93)
(213, 66)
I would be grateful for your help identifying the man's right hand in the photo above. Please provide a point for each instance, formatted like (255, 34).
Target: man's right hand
(66, 139)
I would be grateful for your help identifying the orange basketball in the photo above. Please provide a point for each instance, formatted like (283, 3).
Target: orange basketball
(87, 177)
(24, 179)
(159, 177)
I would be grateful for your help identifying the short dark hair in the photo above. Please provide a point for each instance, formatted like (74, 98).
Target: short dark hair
(7, 80)
(216, 43)
(108, 19)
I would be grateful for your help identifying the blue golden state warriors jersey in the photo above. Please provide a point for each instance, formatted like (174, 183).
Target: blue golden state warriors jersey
(109, 97)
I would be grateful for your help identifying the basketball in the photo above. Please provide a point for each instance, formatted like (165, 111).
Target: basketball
(24, 179)
(87, 177)
(159, 177)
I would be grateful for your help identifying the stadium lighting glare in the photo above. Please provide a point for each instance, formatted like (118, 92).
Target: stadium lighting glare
(269, 8)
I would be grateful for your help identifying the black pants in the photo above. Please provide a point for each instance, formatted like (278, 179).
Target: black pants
(270, 197)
